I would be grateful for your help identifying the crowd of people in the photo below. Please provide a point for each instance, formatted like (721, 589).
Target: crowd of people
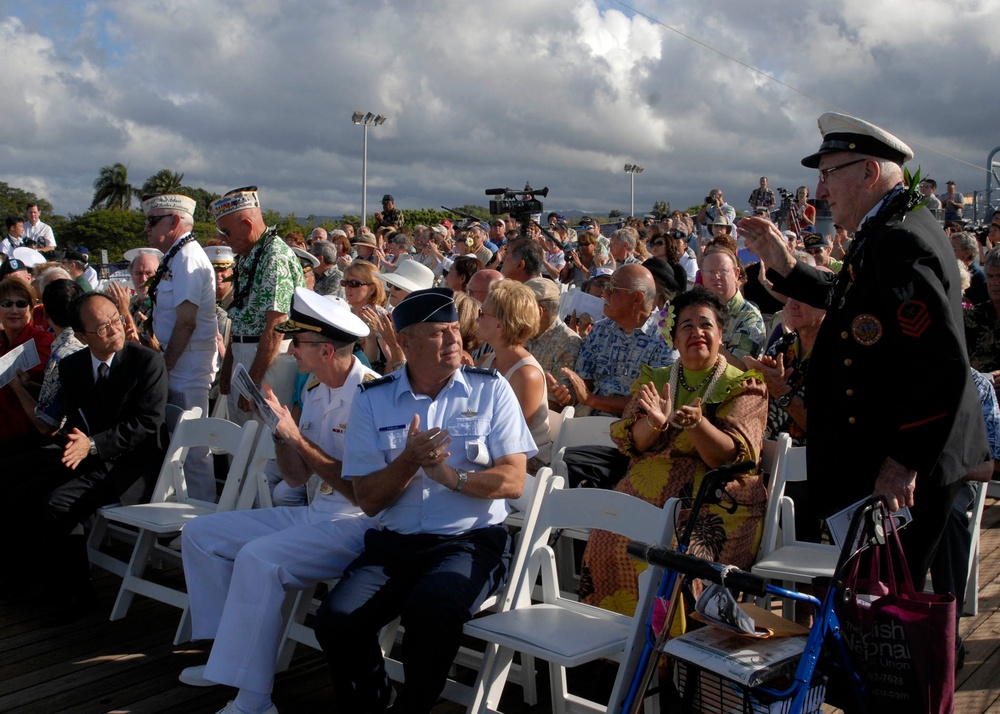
(413, 370)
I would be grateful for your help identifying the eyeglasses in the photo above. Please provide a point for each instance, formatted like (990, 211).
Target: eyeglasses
(153, 220)
(19, 304)
(610, 288)
(299, 342)
(104, 329)
(657, 244)
(353, 283)
(824, 173)
(715, 273)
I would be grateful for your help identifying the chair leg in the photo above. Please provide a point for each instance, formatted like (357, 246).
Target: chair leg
(529, 687)
(183, 633)
(136, 567)
(298, 605)
(558, 688)
(492, 677)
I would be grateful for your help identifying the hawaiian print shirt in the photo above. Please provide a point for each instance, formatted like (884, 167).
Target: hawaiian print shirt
(558, 346)
(745, 333)
(991, 412)
(49, 408)
(613, 359)
(328, 283)
(277, 274)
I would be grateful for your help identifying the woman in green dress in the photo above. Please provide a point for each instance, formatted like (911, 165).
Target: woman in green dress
(683, 421)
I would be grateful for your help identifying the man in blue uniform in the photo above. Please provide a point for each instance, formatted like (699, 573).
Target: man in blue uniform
(892, 408)
(435, 450)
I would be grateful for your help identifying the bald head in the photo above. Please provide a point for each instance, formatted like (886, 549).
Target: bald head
(636, 277)
(479, 284)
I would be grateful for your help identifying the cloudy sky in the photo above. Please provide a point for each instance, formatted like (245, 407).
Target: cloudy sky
(480, 94)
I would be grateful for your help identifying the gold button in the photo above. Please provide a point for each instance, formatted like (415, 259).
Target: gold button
(850, 420)
(848, 362)
(850, 392)
(326, 489)
(843, 335)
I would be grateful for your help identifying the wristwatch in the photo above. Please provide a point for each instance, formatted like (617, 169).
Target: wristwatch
(463, 477)
(785, 399)
(93, 447)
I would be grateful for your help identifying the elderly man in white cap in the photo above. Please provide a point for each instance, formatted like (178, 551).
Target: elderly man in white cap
(894, 317)
(239, 564)
(267, 273)
(181, 297)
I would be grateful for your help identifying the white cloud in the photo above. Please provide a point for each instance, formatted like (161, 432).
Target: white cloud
(482, 94)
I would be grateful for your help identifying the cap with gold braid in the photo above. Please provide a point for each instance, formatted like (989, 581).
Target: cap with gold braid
(327, 316)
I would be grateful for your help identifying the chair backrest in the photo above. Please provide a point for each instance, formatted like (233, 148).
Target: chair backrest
(557, 507)
(221, 436)
(580, 431)
(174, 414)
(555, 423)
(256, 490)
(782, 463)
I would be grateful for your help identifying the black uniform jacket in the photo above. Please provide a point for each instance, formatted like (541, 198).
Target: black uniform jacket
(889, 375)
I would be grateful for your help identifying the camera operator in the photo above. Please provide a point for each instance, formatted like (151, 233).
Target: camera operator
(714, 207)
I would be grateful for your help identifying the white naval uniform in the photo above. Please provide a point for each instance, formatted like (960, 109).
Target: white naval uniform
(191, 278)
(239, 564)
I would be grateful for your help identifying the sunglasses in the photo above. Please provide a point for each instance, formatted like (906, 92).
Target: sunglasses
(153, 220)
(19, 304)
(657, 244)
(353, 283)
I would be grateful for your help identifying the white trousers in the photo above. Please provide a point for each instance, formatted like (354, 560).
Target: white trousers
(187, 386)
(238, 566)
(280, 375)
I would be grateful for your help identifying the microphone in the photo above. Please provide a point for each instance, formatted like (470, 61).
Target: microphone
(496, 191)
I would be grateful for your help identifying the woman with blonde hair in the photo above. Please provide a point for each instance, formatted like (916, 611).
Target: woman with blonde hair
(507, 320)
(366, 295)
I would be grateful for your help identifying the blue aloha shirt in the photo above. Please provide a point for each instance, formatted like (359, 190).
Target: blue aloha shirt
(278, 274)
(745, 334)
(49, 408)
(613, 359)
(991, 411)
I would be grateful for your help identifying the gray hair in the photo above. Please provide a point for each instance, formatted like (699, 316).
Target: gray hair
(627, 236)
(967, 241)
(992, 259)
(326, 250)
(52, 274)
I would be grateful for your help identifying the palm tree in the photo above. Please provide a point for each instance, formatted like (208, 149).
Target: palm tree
(163, 181)
(112, 191)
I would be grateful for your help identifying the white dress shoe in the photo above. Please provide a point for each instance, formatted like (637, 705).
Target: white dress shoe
(195, 677)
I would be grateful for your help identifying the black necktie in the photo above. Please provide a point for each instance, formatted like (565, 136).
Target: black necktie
(102, 374)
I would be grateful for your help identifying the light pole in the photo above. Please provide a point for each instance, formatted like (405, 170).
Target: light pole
(632, 170)
(365, 120)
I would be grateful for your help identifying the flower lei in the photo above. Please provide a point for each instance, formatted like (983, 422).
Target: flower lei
(666, 325)
(720, 370)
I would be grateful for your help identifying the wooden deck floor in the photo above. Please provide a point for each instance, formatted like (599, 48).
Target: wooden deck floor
(95, 666)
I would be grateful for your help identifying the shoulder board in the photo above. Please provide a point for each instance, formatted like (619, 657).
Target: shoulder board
(480, 370)
(369, 377)
(388, 379)
(312, 383)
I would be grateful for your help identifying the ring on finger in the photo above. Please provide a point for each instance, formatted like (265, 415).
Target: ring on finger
(434, 453)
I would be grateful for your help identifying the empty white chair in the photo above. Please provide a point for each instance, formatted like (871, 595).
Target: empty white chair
(559, 630)
(171, 507)
(791, 560)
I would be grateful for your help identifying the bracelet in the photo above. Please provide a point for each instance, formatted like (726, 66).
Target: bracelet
(695, 425)
(655, 428)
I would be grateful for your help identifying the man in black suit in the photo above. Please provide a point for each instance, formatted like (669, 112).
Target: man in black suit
(114, 438)
(892, 408)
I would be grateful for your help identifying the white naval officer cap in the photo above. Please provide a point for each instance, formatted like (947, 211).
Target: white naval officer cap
(134, 253)
(842, 132)
(221, 256)
(327, 316)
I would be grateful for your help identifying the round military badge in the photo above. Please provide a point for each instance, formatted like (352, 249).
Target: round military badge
(866, 329)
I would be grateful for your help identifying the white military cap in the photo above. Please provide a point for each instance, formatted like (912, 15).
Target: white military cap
(307, 259)
(330, 317)
(134, 253)
(28, 256)
(169, 201)
(239, 199)
(842, 132)
(409, 276)
(221, 255)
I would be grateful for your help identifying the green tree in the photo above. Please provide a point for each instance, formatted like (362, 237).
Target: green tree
(614, 213)
(14, 202)
(113, 230)
(112, 191)
(661, 208)
(163, 181)
(204, 200)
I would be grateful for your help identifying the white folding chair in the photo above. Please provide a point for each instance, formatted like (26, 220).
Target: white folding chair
(559, 630)
(579, 431)
(101, 532)
(791, 561)
(971, 605)
(171, 507)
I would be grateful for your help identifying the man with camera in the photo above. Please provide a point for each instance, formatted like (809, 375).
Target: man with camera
(714, 207)
(762, 197)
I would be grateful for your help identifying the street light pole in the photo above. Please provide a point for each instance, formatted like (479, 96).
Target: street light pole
(365, 120)
(632, 170)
